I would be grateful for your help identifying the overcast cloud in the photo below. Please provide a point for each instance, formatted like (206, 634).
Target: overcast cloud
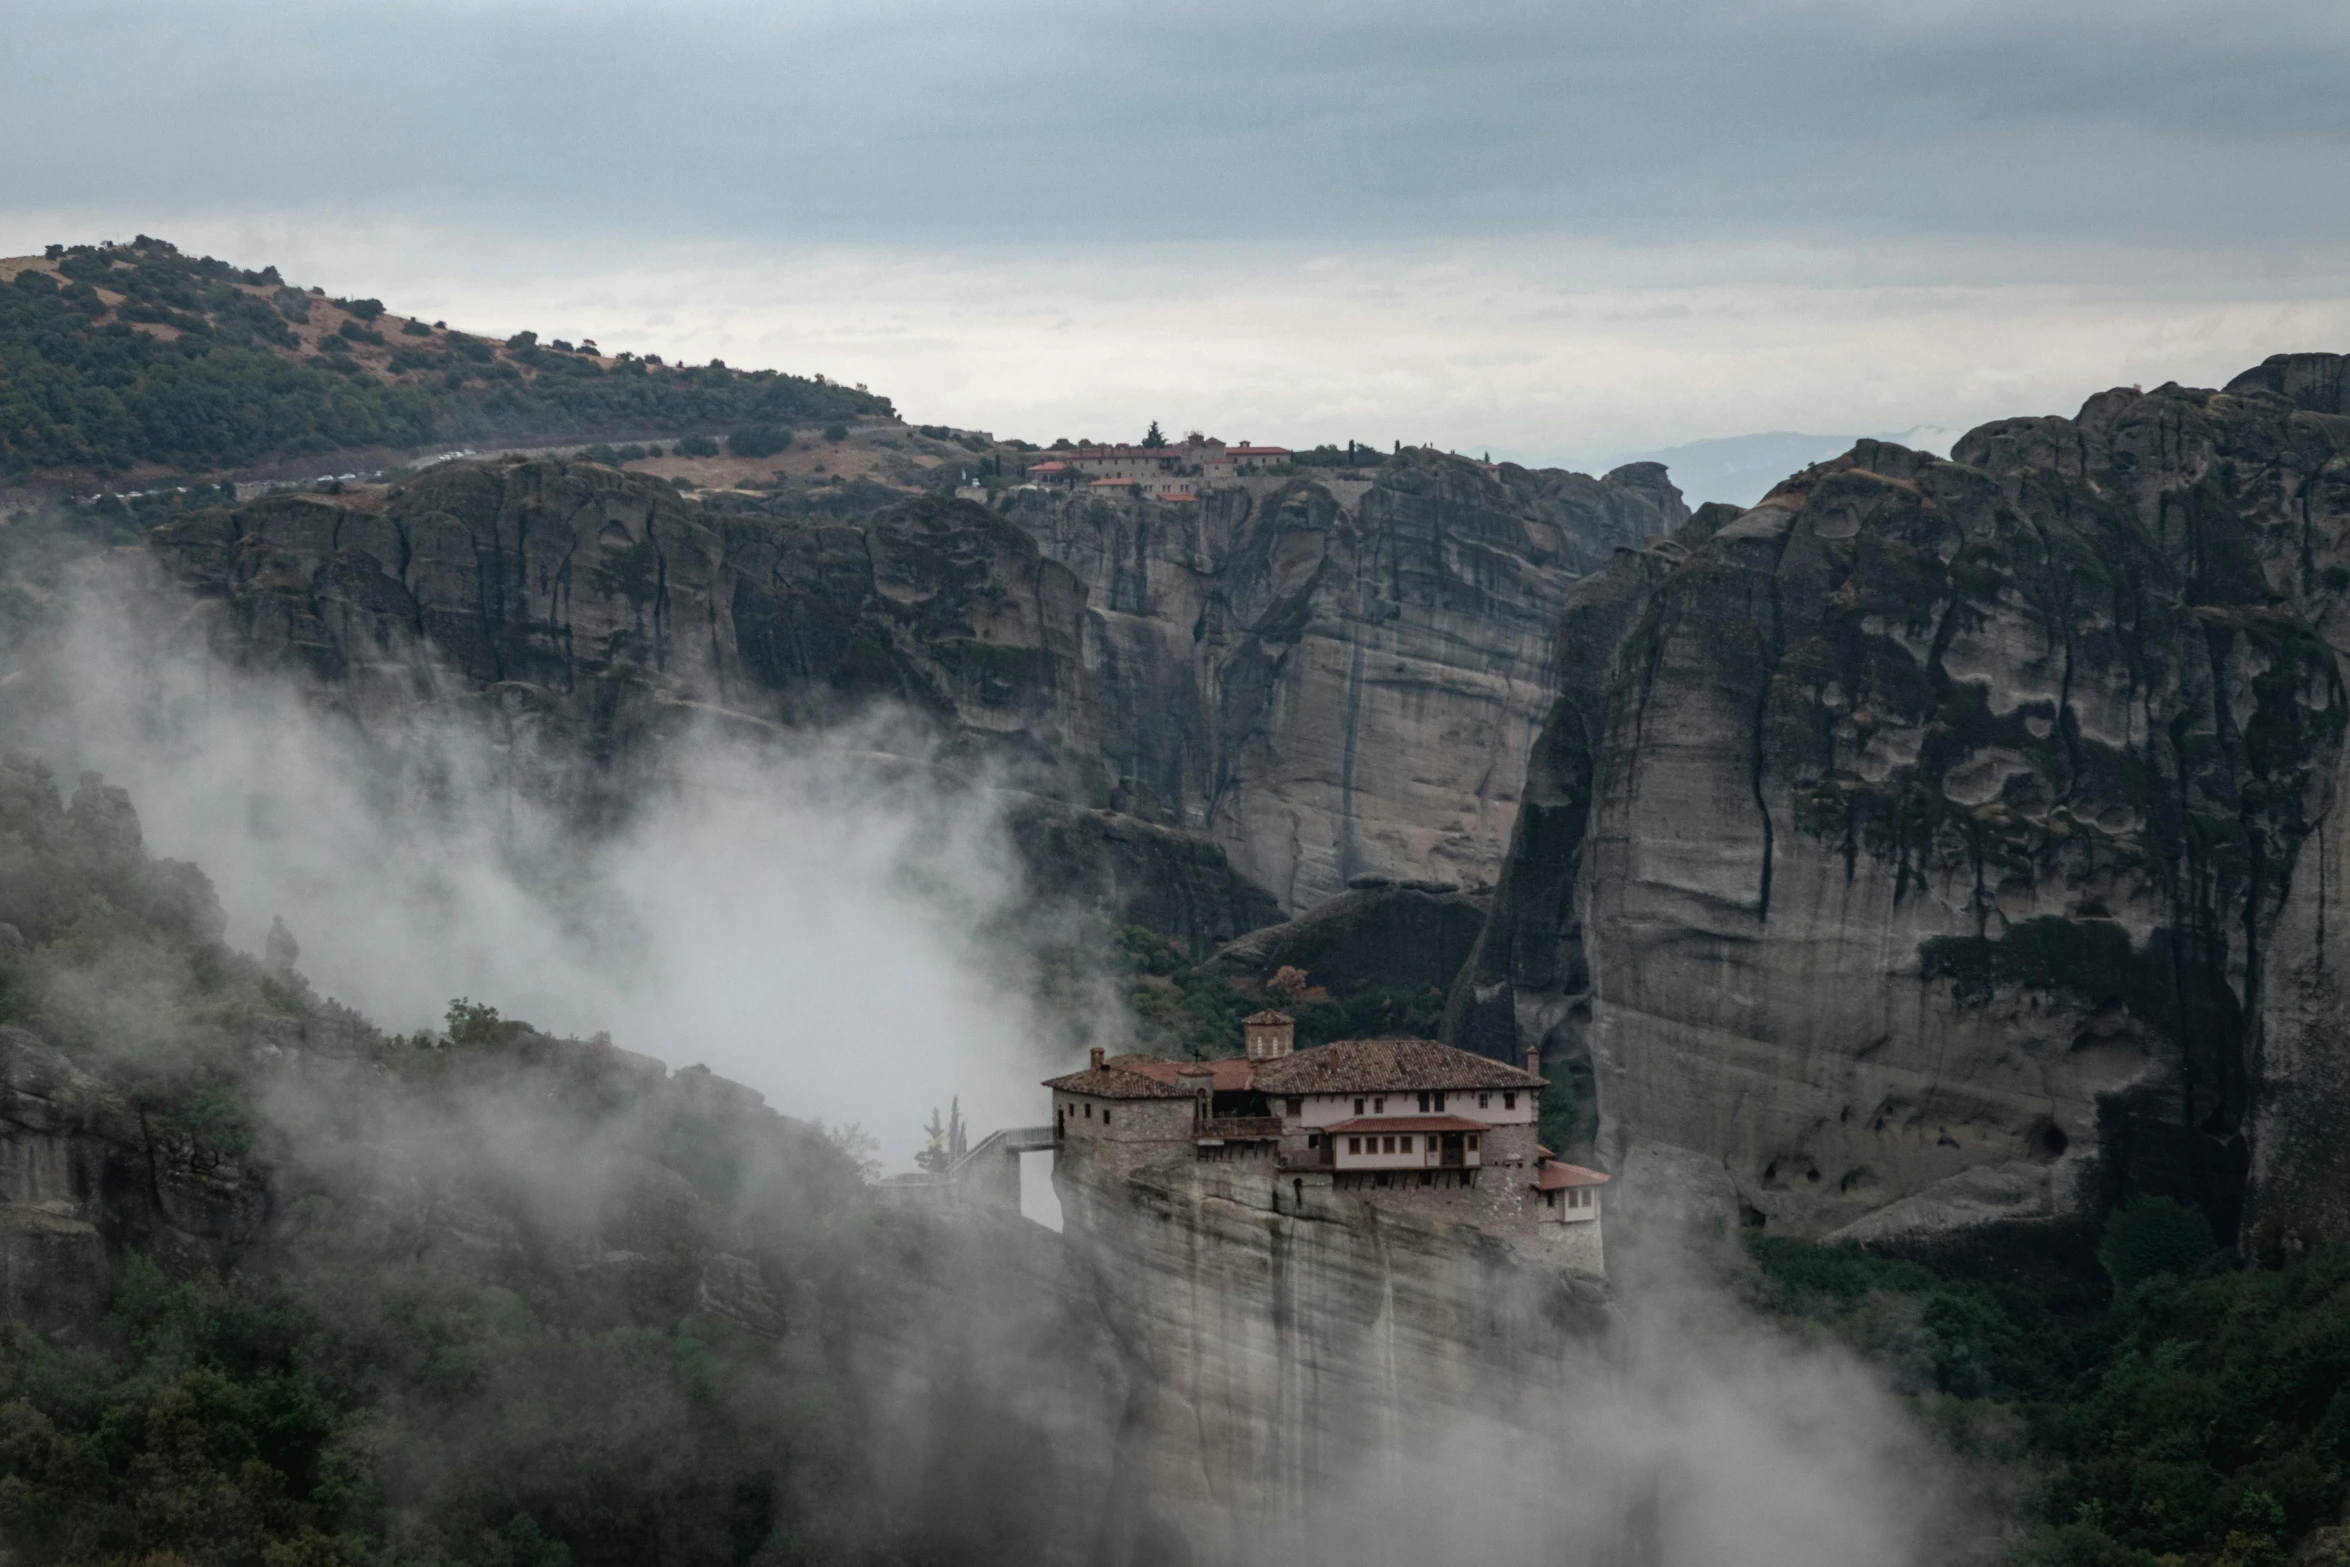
(1384, 221)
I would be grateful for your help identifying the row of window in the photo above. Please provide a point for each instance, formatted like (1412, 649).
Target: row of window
(1431, 1103)
(1577, 1197)
(1089, 1114)
(1390, 1144)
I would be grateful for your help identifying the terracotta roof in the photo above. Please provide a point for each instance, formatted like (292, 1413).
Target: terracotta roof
(1230, 1075)
(1050, 467)
(1385, 1066)
(1257, 451)
(1408, 1123)
(1268, 1016)
(1101, 484)
(1109, 1082)
(1557, 1177)
(1179, 495)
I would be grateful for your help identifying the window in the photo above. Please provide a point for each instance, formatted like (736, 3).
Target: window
(1423, 1104)
(1358, 1107)
(1472, 1141)
(1313, 1139)
(1509, 1101)
(1407, 1145)
(1484, 1101)
(1550, 1199)
(1378, 1104)
(1354, 1145)
(1390, 1142)
(1297, 1107)
(1440, 1103)
(1089, 1110)
(1105, 1115)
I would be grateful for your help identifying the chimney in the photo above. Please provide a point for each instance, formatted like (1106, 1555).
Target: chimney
(1534, 1059)
(1097, 1058)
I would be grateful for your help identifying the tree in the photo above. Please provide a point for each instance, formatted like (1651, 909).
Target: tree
(1152, 436)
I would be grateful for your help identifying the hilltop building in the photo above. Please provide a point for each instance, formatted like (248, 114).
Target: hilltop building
(1176, 471)
(1395, 1120)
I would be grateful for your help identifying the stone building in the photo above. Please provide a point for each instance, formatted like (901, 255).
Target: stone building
(1397, 1121)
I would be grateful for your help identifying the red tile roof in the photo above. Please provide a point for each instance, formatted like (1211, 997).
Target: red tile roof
(1230, 1075)
(1557, 1177)
(1257, 451)
(1386, 1066)
(1110, 1082)
(1408, 1123)
(1101, 484)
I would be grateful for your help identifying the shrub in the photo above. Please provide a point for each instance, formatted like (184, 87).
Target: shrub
(603, 454)
(836, 432)
(364, 309)
(415, 329)
(2151, 1235)
(472, 348)
(758, 440)
(522, 340)
(631, 453)
(696, 446)
(358, 334)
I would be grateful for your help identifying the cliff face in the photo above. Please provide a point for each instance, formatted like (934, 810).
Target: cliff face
(601, 615)
(1292, 1354)
(1334, 678)
(1942, 843)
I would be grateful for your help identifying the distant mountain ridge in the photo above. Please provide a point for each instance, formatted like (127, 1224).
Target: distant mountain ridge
(120, 358)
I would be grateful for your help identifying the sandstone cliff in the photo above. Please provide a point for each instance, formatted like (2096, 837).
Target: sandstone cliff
(1343, 677)
(1293, 1355)
(1948, 843)
(591, 613)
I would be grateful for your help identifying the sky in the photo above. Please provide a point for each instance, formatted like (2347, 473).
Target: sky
(1556, 232)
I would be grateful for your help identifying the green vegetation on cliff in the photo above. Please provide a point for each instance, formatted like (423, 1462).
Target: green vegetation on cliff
(117, 357)
(2201, 1418)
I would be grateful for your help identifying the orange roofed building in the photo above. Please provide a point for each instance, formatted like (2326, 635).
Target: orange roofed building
(1393, 1121)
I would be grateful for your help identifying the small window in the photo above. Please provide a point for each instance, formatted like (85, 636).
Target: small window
(1106, 1116)
(1378, 1104)
(1407, 1145)
(1354, 1145)
(1297, 1107)
(1313, 1139)
(1423, 1104)
(1089, 1110)
(1358, 1107)
(1509, 1101)
(1484, 1101)
(1472, 1141)
(1440, 1103)
(1550, 1199)
(1390, 1142)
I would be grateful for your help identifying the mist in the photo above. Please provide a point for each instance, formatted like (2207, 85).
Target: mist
(827, 917)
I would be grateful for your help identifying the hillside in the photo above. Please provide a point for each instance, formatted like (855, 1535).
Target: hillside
(137, 359)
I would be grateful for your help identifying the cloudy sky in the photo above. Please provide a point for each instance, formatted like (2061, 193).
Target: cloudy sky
(1560, 231)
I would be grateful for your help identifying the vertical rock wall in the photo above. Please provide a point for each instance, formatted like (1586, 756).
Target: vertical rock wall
(1335, 678)
(1953, 840)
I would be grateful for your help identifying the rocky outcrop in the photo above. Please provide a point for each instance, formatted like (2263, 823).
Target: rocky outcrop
(1290, 1350)
(1341, 677)
(86, 1173)
(603, 604)
(1378, 934)
(1952, 842)
(588, 611)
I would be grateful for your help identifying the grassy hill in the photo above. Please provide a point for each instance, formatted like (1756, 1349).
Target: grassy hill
(135, 358)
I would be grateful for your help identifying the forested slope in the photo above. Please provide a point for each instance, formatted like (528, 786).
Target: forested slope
(116, 358)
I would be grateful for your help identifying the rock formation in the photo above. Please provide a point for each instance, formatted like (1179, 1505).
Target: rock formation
(1286, 1357)
(1942, 844)
(601, 615)
(1341, 677)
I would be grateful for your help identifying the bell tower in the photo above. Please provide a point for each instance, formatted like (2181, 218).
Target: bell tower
(1269, 1035)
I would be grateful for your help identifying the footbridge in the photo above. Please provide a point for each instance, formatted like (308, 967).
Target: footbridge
(987, 1175)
